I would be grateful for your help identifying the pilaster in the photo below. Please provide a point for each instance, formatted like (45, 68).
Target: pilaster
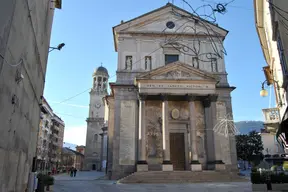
(166, 166)
(142, 157)
(210, 122)
(194, 163)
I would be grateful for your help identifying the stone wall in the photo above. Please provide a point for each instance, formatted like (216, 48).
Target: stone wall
(125, 132)
(25, 28)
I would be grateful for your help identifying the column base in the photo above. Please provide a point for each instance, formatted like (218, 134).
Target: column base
(167, 166)
(196, 167)
(217, 165)
(142, 167)
(220, 165)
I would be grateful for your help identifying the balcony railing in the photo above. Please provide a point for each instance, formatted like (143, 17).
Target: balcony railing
(271, 115)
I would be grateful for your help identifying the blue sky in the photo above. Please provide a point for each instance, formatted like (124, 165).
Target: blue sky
(86, 29)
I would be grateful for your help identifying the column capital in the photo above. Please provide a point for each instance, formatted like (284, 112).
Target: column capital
(213, 98)
(206, 102)
(142, 97)
(190, 98)
(164, 97)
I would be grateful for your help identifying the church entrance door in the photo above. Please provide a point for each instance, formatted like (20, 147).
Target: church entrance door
(177, 151)
(93, 167)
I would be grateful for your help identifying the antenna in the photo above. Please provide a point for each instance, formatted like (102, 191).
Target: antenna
(101, 64)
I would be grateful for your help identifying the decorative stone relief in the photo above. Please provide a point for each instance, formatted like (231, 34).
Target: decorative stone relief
(200, 119)
(154, 128)
(127, 133)
(176, 74)
(200, 146)
(181, 106)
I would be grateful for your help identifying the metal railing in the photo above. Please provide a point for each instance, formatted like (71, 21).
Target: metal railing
(271, 115)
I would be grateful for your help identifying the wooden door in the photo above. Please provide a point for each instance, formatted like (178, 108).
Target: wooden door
(177, 151)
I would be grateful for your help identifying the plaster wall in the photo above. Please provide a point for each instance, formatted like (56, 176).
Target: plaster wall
(25, 29)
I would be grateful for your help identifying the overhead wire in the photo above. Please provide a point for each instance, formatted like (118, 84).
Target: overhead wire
(173, 41)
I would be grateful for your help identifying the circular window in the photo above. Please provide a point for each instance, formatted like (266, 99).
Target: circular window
(170, 24)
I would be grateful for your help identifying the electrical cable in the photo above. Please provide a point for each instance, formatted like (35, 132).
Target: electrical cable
(171, 41)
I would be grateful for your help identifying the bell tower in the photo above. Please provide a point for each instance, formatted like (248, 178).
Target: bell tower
(95, 120)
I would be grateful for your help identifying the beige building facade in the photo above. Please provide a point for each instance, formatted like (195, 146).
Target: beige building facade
(271, 25)
(50, 139)
(166, 108)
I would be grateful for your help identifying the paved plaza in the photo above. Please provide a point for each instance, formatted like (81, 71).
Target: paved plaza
(90, 182)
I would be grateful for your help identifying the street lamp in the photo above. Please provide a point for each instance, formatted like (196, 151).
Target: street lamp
(59, 47)
(264, 92)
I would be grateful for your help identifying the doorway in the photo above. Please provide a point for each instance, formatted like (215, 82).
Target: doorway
(93, 167)
(177, 151)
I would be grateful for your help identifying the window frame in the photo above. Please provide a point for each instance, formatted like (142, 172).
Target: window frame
(167, 55)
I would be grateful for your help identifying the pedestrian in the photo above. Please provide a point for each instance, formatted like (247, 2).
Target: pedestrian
(71, 171)
(75, 171)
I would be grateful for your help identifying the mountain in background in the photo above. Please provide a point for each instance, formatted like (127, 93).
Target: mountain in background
(245, 127)
(70, 145)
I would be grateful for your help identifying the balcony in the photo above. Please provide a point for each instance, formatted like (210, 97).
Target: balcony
(271, 119)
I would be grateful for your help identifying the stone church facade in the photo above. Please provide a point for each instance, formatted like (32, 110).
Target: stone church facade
(167, 101)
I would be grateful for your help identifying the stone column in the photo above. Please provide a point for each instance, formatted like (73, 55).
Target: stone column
(166, 166)
(142, 157)
(195, 164)
(211, 121)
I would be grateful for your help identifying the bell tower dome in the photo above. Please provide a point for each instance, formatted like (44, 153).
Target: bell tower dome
(100, 80)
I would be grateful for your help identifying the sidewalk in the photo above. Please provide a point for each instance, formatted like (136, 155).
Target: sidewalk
(80, 176)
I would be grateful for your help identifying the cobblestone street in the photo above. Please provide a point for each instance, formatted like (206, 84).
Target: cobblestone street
(86, 182)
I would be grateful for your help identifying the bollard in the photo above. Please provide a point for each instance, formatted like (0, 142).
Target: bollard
(268, 183)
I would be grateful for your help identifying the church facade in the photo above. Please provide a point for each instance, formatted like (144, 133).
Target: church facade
(166, 108)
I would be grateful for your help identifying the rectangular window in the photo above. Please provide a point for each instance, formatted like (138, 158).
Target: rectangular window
(214, 65)
(281, 55)
(148, 62)
(171, 58)
(195, 62)
(128, 63)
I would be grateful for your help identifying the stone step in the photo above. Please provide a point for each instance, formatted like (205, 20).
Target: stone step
(155, 167)
(182, 177)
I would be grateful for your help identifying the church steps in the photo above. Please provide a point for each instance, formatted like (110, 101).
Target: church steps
(182, 177)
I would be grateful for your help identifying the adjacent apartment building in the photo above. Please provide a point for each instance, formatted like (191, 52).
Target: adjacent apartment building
(25, 30)
(71, 158)
(50, 139)
(272, 28)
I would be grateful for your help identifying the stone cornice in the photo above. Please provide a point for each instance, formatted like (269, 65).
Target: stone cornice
(99, 119)
(190, 97)
(142, 97)
(164, 97)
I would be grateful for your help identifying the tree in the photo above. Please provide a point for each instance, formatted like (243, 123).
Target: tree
(248, 146)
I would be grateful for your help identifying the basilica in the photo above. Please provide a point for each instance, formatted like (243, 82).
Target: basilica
(170, 106)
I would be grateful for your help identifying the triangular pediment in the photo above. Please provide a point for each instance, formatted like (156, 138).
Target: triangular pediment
(178, 71)
(156, 22)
